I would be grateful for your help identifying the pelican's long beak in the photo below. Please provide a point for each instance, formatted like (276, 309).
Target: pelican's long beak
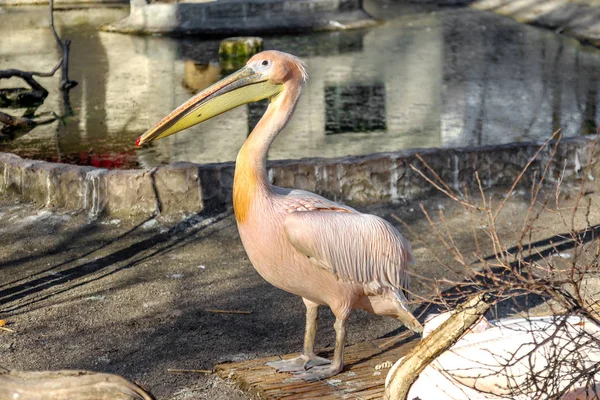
(244, 86)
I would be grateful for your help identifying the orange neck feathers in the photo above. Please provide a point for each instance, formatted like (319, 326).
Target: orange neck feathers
(251, 165)
(245, 184)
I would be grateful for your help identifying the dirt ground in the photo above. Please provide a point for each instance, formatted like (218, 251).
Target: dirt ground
(134, 299)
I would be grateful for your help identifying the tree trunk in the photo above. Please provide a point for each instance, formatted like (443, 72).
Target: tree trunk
(440, 340)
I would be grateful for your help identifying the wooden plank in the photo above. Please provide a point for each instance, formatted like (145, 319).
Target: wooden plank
(359, 380)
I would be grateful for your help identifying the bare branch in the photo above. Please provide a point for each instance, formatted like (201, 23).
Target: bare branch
(438, 187)
(518, 179)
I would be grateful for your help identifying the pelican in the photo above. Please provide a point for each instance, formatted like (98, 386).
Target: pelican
(327, 253)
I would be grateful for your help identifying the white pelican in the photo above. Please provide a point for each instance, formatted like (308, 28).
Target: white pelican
(327, 253)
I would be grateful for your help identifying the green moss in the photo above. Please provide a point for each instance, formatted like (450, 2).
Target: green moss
(236, 51)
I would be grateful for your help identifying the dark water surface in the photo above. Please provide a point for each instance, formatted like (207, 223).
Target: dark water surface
(443, 78)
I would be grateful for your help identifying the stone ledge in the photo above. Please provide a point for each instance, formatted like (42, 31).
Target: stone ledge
(183, 188)
(579, 19)
(248, 17)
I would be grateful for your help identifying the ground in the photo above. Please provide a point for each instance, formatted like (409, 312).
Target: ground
(135, 299)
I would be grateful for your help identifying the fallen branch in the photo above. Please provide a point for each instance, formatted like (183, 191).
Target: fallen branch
(22, 124)
(27, 77)
(22, 97)
(16, 122)
(440, 340)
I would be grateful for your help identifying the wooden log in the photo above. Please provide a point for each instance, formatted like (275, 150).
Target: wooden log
(67, 384)
(440, 340)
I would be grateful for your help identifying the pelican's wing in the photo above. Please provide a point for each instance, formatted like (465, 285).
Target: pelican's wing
(300, 200)
(355, 247)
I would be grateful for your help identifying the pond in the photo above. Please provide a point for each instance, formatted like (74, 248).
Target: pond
(424, 78)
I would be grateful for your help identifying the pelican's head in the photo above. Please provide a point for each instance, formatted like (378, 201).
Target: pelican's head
(265, 75)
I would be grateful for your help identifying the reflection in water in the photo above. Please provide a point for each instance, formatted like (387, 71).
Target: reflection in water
(255, 113)
(515, 86)
(321, 44)
(443, 79)
(198, 76)
(354, 108)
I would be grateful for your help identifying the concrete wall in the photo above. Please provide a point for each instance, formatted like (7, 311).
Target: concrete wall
(576, 18)
(183, 188)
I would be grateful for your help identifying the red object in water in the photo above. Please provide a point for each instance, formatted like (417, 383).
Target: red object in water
(120, 160)
(137, 142)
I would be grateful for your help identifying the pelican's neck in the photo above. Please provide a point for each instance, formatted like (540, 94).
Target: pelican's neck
(251, 164)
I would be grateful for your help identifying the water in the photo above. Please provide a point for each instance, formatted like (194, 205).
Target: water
(442, 78)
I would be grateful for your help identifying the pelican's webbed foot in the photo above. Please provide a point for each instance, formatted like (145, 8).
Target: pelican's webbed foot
(318, 373)
(301, 363)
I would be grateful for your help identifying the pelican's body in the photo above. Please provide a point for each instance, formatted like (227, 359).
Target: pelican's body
(327, 253)
(292, 239)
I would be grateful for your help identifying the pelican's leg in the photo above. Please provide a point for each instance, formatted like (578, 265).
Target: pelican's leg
(308, 359)
(326, 371)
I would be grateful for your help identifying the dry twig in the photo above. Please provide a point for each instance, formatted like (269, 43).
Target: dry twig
(229, 311)
(195, 371)
(528, 267)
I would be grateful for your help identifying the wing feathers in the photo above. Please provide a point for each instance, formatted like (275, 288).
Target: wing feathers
(355, 247)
